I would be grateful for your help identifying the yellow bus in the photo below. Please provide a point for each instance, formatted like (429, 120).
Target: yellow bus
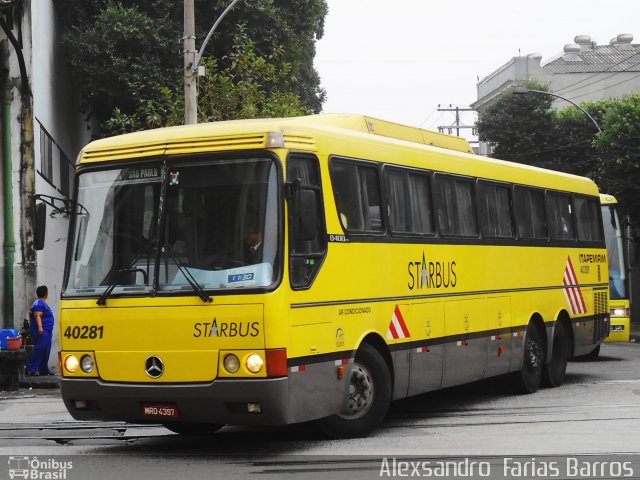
(274, 271)
(618, 244)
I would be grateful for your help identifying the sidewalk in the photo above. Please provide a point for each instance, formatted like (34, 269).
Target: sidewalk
(51, 381)
(635, 332)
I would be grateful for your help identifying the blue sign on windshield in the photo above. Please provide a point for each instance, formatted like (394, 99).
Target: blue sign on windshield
(240, 277)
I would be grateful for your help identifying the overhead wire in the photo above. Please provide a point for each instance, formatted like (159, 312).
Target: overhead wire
(627, 70)
(605, 88)
(428, 117)
(564, 89)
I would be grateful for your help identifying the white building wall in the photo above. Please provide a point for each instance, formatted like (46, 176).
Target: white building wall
(517, 70)
(60, 126)
(588, 87)
(21, 298)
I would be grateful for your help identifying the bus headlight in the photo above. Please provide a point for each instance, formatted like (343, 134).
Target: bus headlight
(620, 312)
(254, 363)
(231, 363)
(87, 364)
(71, 364)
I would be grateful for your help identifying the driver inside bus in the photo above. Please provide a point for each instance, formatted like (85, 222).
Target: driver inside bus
(252, 245)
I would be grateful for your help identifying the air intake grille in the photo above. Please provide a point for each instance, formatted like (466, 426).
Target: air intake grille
(601, 316)
(176, 147)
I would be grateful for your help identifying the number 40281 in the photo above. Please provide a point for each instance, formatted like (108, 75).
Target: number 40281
(85, 332)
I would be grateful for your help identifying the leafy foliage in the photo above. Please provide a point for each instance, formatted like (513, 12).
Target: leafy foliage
(249, 87)
(521, 127)
(127, 59)
(567, 140)
(619, 146)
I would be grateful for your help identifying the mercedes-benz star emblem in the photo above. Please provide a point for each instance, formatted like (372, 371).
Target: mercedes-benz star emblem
(154, 367)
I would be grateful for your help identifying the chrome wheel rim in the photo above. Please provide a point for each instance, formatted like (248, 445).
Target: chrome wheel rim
(361, 393)
(533, 355)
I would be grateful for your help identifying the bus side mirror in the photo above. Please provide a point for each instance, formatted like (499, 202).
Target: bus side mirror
(306, 218)
(40, 226)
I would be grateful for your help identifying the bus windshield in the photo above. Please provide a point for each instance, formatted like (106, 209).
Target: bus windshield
(213, 223)
(613, 235)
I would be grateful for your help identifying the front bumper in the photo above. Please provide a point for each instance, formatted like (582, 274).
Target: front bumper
(221, 402)
(620, 330)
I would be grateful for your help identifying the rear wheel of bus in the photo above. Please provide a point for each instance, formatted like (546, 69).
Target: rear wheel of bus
(528, 379)
(554, 371)
(369, 397)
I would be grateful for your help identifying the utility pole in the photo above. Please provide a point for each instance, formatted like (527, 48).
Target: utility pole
(192, 59)
(189, 48)
(457, 125)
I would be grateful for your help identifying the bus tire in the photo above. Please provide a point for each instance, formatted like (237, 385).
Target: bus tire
(554, 371)
(528, 379)
(189, 428)
(369, 397)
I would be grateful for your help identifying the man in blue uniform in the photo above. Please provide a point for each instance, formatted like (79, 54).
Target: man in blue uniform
(41, 332)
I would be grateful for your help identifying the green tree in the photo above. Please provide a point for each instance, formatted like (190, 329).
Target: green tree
(118, 54)
(575, 150)
(127, 57)
(521, 128)
(567, 140)
(250, 87)
(619, 148)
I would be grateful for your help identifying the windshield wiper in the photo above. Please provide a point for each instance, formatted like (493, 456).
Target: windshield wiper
(187, 274)
(128, 269)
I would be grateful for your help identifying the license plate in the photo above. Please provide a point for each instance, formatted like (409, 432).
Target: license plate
(161, 410)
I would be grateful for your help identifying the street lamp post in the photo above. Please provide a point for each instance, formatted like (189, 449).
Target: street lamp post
(525, 90)
(189, 51)
(192, 59)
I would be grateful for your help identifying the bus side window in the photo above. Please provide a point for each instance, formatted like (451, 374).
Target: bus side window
(305, 254)
(409, 208)
(530, 213)
(455, 205)
(587, 219)
(356, 189)
(494, 202)
(560, 216)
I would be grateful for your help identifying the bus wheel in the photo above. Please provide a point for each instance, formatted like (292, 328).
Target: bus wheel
(553, 372)
(369, 397)
(188, 428)
(528, 379)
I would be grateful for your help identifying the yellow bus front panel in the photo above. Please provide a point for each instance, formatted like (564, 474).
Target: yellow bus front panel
(620, 321)
(186, 338)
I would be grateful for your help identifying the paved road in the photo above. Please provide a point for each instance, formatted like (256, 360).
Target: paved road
(596, 413)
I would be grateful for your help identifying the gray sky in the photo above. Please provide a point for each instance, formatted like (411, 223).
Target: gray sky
(398, 59)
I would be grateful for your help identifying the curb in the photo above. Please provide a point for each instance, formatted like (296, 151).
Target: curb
(39, 382)
(634, 335)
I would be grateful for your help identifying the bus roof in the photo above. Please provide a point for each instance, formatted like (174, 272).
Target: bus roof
(356, 136)
(606, 199)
